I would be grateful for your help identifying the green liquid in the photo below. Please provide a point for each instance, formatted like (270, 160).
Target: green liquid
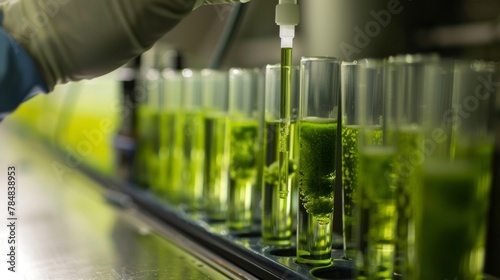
(217, 166)
(284, 125)
(194, 156)
(154, 157)
(317, 166)
(145, 154)
(169, 164)
(450, 217)
(277, 216)
(243, 172)
(317, 141)
(350, 175)
(350, 160)
(314, 239)
(164, 134)
(175, 162)
(409, 154)
(377, 206)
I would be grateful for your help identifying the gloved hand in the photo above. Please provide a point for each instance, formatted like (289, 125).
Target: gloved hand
(76, 39)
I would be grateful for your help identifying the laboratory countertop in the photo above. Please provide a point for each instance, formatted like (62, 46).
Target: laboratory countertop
(65, 228)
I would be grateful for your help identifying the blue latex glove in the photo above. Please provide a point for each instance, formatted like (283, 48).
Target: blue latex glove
(19, 77)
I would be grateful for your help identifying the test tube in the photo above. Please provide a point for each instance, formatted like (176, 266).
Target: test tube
(246, 109)
(452, 200)
(318, 119)
(171, 162)
(147, 140)
(194, 138)
(405, 78)
(376, 193)
(216, 96)
(350, 155)
(277, 212)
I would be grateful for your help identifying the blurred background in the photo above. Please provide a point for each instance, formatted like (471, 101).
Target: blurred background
(346, 29)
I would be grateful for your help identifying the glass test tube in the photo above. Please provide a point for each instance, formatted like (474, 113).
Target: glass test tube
(194, 138)
(171, 162)
(147, 126)
(277, 212)
(216, 96)
(405, 78)
(376, 193)
(153, 87)
(350, 155)
(319, 101)
(245, 107)
(452, 199)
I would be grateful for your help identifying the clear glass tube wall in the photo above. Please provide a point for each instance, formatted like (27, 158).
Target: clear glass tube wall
(277, 212)
(350, 155)
(452, 199)
(171, 161)
(246, 111)
(376, 193)
(318, 119)
(405, 78)
(146, 159)
(194, 138)
(216, 98)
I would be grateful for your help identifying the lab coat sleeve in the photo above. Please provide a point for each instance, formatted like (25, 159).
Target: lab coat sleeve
(19, 76)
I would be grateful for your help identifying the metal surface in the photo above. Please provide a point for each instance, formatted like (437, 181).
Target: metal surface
(242, 249)
(67, 229)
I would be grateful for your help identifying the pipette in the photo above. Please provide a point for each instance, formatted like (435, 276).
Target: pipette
(287, 17)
